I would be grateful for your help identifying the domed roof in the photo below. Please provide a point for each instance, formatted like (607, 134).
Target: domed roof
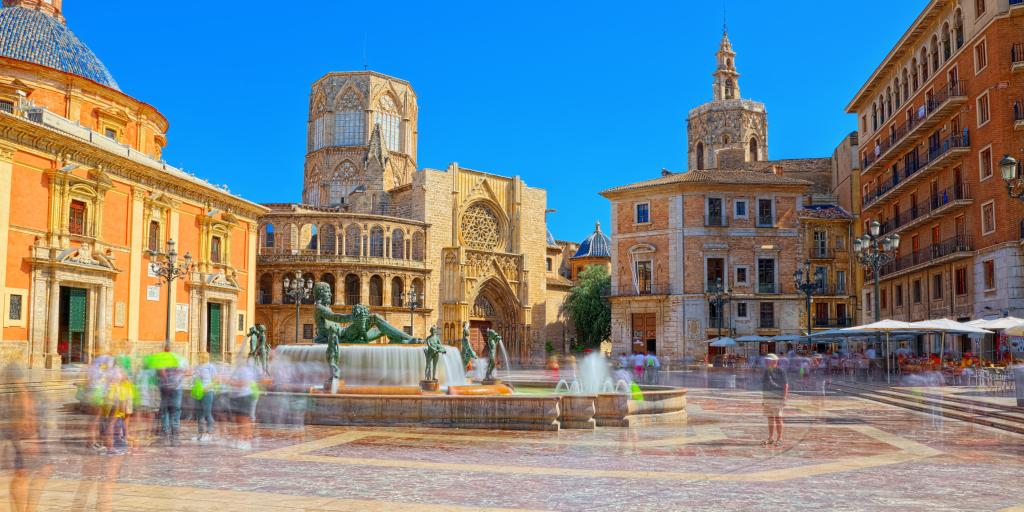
(597, 245)
(551, 240)
(37, 37)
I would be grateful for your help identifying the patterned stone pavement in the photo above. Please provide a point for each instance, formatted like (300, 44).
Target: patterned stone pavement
(840, 453)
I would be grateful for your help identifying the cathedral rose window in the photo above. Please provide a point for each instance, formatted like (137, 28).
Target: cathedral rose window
(480, 227)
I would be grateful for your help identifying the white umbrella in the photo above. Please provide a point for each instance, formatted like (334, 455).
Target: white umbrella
(945, 325)
(888, 327)
(1008, 322)
(752, 338)
(724, 341)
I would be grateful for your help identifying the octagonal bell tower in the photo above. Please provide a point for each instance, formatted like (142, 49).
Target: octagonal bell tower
(362, 139)
(727, 132)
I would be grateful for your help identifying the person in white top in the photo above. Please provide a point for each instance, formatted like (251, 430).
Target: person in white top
(203, 388)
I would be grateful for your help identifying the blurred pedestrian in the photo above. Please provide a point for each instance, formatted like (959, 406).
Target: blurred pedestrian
(244, 395)
(775, 392)
(170, 372)
(118, 406)
(24, 428)
(203, 393)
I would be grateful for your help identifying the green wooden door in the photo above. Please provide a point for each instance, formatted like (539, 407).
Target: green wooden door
(77, 311)
(215, 330)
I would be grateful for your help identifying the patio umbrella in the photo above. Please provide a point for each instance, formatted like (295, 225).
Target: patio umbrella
(945, 325)
(884, 326)
(724, 341)
(752, 338)
(788, 338)
(1007, 322)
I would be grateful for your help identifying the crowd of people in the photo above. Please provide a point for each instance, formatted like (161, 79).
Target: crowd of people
(644, 367)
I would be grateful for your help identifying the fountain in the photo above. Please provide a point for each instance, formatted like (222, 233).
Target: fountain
(370, 373)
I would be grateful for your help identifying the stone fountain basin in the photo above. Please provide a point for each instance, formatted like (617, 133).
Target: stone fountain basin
(508, 412)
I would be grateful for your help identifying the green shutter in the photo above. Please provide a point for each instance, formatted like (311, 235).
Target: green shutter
(76, 310)
(215, 328)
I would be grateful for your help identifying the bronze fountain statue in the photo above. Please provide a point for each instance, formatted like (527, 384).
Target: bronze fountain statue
(259, 349)
(468, 354)
(433, 352)
(365, 327)
(493, 339)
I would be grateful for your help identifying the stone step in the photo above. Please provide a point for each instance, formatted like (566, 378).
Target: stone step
(930, 407)
(960, 404)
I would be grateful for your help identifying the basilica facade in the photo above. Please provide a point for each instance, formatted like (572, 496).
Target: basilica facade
(422, 247)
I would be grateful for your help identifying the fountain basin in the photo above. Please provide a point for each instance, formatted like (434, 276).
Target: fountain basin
(375, 364)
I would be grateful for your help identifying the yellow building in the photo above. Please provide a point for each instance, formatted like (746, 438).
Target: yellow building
(84, 197)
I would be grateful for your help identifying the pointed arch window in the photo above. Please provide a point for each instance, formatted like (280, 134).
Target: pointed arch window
(390, 123)
(700, 155)
(349, 122)
(753, 150)
(958, 28)
(377, 242)
(730, 89)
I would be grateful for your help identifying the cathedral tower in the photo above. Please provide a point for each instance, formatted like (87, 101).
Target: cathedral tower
(361, 141)
(728, 131)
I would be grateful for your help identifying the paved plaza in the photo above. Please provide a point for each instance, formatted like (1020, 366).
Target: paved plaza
(839, 453)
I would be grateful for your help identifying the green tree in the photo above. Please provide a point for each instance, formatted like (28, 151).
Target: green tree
(588, 308)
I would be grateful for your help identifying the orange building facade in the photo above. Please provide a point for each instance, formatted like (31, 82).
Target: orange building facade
(934, 120)
(84, 197)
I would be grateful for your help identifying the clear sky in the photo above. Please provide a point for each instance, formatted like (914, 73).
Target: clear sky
(575, 97)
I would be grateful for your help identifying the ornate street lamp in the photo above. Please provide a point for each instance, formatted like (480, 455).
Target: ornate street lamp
(873, 252)
(413, 300)
(807, 285)
(297, 289)
(719, 297)
(1014, 182)
(167, 270)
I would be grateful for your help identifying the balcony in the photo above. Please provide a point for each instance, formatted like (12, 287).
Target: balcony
(945, 99)
(1017, 57)
(822, 253)
(831, 290)
(920, 164)
(642, 291)
(832, 323)
(960, 246)
(951, 198)
(1018, 114)
(767, 288)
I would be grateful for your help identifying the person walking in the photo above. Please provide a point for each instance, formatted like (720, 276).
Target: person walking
(203, 393)
(775, 392)
(170, 371)
(652, 366)
(244, 394)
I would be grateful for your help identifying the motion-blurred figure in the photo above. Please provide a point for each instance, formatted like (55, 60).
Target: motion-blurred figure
(24, 423)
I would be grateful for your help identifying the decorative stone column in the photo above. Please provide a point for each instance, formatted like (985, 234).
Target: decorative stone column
(364, 288)
(232, 328)
(276, 292)
(102, 338)
(53, 325)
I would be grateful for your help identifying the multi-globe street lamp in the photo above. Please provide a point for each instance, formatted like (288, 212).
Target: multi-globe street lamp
(413, 300)
(719, 297)
(167, 270)
(874, 251)
(298, 289)
(808, 283)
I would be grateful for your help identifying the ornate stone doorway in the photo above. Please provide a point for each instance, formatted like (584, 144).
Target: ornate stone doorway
(495, 308)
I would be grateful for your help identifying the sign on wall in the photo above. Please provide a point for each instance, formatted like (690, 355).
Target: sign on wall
(153, 292)
(181, 317)
(119, 314)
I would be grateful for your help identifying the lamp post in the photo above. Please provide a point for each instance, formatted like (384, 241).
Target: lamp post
(874, 251)
(719, 297)
(413, 300)
(1011, 175)
(807, 285)
(297, 289)
(167, 270)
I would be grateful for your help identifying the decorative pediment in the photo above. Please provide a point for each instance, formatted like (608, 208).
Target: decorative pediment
(222, 280)
(482, 189)
(112, 115)
(83, 255)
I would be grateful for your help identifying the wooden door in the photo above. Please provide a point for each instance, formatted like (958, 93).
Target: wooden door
(214, 330)
(478, 335)
(645, 330)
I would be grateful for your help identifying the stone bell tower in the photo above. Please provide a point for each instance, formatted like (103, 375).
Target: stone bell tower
(728, 132)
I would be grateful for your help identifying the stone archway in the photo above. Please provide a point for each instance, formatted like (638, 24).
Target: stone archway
(494, 307)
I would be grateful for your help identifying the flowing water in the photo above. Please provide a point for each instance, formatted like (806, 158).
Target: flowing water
(378, 365)
(592, 376)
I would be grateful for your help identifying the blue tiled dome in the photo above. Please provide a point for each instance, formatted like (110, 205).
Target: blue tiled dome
(597, 245)
(37, 37)
(551, 240)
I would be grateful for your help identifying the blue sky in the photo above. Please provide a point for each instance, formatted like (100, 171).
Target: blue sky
(574, 97)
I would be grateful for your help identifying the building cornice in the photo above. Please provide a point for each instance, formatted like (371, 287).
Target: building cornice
(18, 131)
